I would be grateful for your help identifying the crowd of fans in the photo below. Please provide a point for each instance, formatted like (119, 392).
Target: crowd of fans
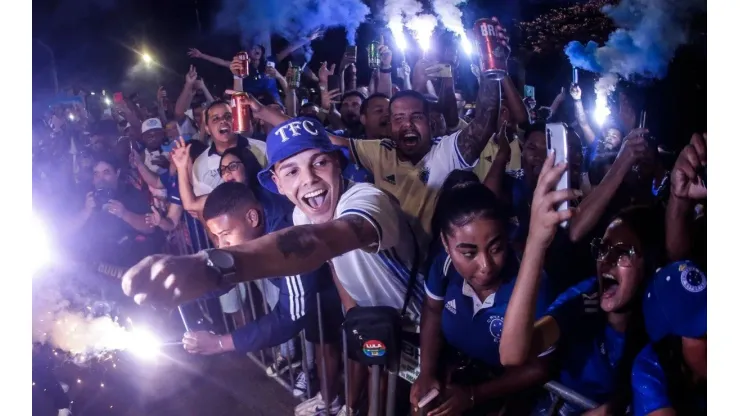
(401, 193)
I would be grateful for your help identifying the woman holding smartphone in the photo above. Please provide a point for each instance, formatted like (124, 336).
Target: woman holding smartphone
(468, 288)
(596, 327)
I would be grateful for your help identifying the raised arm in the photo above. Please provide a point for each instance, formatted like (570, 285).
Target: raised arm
(186, 96)
(290, 251)
(473, 138)
(514, 101)
(195, 53)
(519, 333)
(589, 135)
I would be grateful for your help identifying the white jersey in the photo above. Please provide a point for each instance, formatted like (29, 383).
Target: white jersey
(206, 177)
(377, 276)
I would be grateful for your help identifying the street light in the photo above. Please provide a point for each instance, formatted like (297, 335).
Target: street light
(146, 58)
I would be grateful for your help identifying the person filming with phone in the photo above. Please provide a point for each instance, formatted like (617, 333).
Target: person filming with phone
(111, 227)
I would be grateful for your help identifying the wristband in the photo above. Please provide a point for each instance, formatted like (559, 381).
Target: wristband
(238, 77)
(322, 87)
(386, 70)
(220, 343)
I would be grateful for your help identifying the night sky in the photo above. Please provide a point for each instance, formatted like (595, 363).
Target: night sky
(92, 41)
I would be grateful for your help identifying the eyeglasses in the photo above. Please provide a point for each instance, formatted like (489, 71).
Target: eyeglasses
(603, 251)
(231, 167)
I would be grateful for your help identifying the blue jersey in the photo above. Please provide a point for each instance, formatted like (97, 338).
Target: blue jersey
(471, 326)
(297, 299)
(650, 387)
(198, 237)
(589, 348)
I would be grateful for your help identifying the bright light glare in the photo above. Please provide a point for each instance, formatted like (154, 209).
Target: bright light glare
(107, 101)
(92, 92)
(398, 36)
(71, 117)
(423, 26)
(42, 245)
(146, 58)
(601, 109)
(466, 45)
(143, 344)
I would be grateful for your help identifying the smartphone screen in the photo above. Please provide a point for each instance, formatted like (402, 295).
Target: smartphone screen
(557, 141)
(351, 50)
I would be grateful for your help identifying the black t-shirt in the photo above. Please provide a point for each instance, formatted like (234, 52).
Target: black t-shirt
(104, 227)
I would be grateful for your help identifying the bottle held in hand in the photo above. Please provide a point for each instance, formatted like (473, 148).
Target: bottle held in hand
(373, 55)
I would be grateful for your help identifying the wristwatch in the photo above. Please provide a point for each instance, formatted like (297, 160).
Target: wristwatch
(222, 263)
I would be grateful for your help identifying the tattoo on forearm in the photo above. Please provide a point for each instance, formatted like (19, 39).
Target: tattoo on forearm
(474, 137)
(297, 241)
(362, 229)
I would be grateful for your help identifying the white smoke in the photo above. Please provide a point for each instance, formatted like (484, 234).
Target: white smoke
(423, 26)
(450, 15)
(398, 13)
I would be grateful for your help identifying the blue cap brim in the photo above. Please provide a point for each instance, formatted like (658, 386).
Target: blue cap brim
(265, 175)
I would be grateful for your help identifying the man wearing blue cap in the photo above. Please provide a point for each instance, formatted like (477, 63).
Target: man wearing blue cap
(669, 376)
(356, 226)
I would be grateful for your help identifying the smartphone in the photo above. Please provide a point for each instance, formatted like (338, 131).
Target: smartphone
(271, 64)
(643, 119)
(557, 141)
(117, 97)
(575, 75)
(433, 393)
(351, 50)
(333, 82)
(529, 91)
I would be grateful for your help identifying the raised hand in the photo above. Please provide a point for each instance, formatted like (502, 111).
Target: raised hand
(545, 217)
(194, 53)
(686, 183)
(325, 72)
(191, 76)
(575, 92)
(180, 155)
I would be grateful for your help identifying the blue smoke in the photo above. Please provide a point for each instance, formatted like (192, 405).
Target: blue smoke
(291, 19)
(647, 36)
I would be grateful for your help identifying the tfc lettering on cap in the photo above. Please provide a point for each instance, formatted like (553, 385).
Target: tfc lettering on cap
(296, 128)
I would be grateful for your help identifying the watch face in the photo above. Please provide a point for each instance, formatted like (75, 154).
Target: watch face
(221, 259)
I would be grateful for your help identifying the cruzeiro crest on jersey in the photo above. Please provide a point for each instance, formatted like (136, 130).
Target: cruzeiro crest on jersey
(692, 279)
(424, 174)
(495, 326)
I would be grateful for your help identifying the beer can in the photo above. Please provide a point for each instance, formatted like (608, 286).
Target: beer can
(244, 59)
(373, 55)
(242, 118)
(492, 54)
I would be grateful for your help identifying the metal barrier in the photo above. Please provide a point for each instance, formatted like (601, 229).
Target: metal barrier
(265, 358)
(566, 395)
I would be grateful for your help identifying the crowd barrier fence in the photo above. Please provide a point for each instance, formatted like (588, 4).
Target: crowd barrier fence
(266, 357)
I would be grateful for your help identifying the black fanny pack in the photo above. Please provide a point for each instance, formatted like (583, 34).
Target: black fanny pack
(373, 333)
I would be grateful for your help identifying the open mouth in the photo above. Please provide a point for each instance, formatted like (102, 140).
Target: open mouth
(609, 285)
(225, 129)
(315, 199)
(410, 138)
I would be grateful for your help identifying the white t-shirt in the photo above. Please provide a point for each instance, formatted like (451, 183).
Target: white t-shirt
(379, 276)
(205, 176)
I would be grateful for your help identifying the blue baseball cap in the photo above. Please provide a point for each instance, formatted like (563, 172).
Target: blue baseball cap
(675, 302)
(290, 138)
